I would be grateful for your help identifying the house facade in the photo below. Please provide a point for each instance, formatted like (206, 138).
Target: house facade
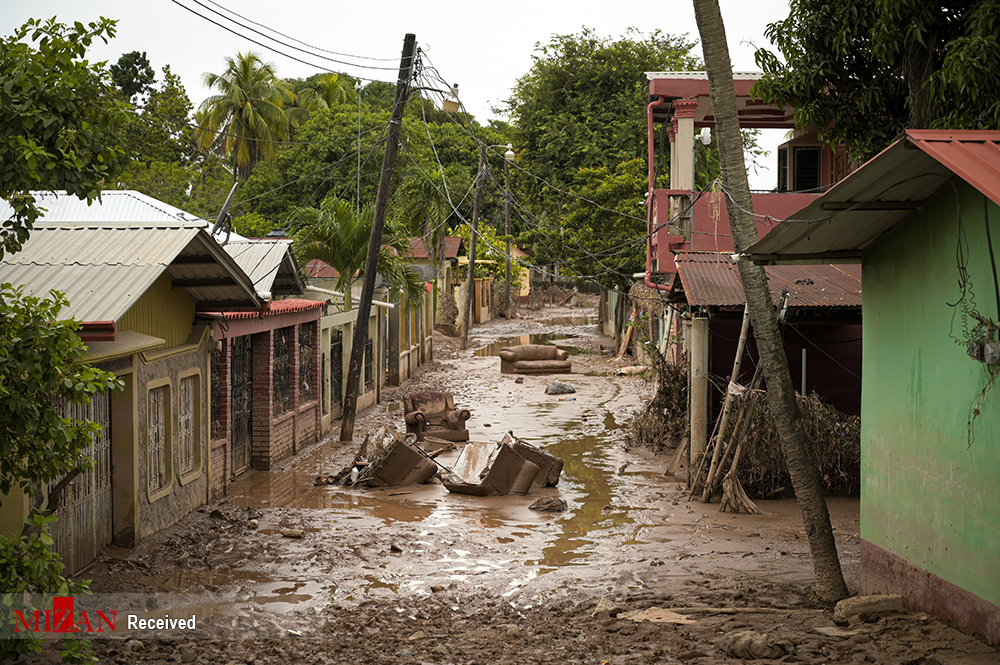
(136, 272)
(922, 218)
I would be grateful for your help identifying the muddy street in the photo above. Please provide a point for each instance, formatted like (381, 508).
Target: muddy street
(418, 574)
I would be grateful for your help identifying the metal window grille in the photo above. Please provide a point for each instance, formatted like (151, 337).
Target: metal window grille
(186, 434)
(156, 418)
(369, 366)
(216, 394)
(336, 366)
(323, 369)
(281, 379)
(307, 391)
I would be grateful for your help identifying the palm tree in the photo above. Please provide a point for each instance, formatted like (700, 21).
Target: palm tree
(246, 119)
(338, 235)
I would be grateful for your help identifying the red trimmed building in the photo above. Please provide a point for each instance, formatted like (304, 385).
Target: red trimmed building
(265, 370)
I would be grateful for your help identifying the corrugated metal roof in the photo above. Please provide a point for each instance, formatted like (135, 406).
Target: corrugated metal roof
(114, 205)
(269, 263)
(837, 226)
(711, 280)
(104, 265)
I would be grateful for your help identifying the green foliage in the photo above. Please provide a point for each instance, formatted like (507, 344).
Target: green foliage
(490, 252)
(55, 118)
(862, 72)
(39, 357)
(246, 120)
(32, 571)
(608, 233)
(338, 235)
(253, 225)
(133, 74)
(582, 107)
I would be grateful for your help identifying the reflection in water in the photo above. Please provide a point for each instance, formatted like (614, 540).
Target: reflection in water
(587, 468)
(493, 349)
(571, 321)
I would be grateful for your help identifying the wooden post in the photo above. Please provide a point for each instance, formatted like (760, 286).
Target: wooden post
(375, 243)
(470, 282)
(727, 406)
(699, 385)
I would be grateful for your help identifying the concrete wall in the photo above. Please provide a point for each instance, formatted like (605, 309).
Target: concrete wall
(158, 509)
(930, 511)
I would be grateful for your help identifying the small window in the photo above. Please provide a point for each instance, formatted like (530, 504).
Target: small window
(806, 169)
(369, 366)
(307, 391)
(187, 423)
(281, 377)
(158, 438)
(336, 366)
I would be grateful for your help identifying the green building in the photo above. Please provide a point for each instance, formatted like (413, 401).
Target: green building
(922, 218)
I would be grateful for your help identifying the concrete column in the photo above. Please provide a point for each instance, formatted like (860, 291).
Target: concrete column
(699, 385)
(395, 348)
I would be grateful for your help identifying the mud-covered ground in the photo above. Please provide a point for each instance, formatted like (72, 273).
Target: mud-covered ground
(418, 575)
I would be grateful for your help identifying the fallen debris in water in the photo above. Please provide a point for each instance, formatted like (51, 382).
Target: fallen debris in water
(487, 469)
(549, 466)
(549, 504)
(387, 459)
(559, 388)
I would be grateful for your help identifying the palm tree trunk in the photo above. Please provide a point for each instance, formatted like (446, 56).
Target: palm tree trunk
(781, 395)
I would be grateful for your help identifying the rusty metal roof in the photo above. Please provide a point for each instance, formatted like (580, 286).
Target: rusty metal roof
(709, 279)
(837, 226)
(105, 258)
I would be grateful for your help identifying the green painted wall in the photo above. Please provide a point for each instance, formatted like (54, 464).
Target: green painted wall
(927, 495)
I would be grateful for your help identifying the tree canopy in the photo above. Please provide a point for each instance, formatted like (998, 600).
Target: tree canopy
(56, 118)
(577, 115)
(861, 72)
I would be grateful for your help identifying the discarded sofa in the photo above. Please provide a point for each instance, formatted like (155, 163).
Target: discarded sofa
(534, 359)
(434, 414)
(509, 467)
(488, 469)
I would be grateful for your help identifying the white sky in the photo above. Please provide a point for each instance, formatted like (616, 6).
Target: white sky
(484, 48)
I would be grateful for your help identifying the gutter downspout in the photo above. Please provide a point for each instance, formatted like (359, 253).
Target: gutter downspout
(650, 140)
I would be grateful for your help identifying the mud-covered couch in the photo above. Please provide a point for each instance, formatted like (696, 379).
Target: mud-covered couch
(434, 414)
(534, 359)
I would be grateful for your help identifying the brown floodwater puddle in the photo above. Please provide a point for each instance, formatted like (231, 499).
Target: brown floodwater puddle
(493, 348)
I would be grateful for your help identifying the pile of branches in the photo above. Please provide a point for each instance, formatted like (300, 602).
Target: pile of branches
(665, 420)
(835, 438)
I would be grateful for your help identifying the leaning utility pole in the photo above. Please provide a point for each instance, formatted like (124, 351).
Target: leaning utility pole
(470, 282)
(375, 243)
(781, 395)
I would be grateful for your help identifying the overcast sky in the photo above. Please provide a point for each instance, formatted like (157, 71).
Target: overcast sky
(484, 47)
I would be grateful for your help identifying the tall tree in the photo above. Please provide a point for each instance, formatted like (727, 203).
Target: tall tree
(133, 74)
(781, 395)
(246, 120)
(339, 235)
(581, 106)
(56, 118)
(861, 72)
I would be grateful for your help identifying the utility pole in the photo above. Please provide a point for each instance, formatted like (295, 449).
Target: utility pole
(375, 243)
(470, 282)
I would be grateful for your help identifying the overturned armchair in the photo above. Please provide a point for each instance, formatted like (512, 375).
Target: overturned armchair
(434, 414)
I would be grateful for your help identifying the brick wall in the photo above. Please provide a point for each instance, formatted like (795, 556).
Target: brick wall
(275, 437)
